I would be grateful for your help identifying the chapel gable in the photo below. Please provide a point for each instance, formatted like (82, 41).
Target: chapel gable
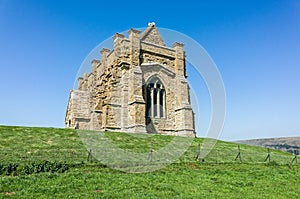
(151, 35)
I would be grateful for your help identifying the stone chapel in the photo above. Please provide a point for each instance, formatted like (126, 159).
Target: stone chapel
(139, 86)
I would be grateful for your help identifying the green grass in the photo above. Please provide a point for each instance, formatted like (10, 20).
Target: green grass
(219, 176)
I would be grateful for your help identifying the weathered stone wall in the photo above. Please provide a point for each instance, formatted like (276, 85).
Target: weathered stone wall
(168, 78)
(78, 115)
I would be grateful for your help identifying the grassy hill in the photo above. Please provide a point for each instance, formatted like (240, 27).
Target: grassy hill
(219, 176)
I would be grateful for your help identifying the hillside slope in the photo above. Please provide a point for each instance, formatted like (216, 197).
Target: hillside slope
(219, 176)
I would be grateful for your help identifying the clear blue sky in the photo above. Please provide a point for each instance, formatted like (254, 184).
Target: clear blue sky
(255, 45)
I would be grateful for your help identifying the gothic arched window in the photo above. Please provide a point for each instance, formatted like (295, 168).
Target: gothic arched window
(155, 99)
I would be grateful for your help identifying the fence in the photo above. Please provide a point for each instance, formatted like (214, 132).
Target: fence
(151, 155)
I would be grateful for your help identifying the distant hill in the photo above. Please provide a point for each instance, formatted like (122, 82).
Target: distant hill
(289, 144)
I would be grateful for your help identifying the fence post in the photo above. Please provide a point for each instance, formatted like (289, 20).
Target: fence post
(150, 154)
(295, 158)
(217, 156)
(90, 155)
(268, 156)
(198, 152)
(239, 154)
